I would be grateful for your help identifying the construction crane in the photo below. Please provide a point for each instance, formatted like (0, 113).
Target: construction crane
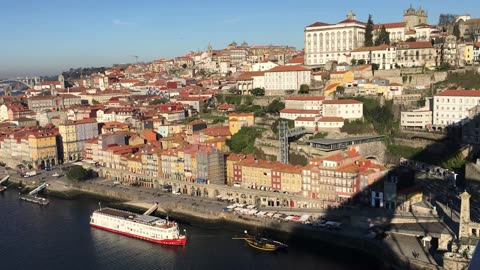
(136, 58)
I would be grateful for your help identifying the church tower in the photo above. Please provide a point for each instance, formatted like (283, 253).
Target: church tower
(464, 215)
(61, 79)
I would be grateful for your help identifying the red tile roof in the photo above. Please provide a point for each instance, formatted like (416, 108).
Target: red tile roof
(351, 21)
(297, 60)
(318, 24)
(305, 98)
(390, 25)
(459, 93)
(416, 45)
(297, 111)
(309, 119)
(331, 119)
(373, 48)
(287, 68)
(342, 101)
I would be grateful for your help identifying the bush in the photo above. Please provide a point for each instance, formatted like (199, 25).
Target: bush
(275, 106)
(244, 140)
(79, 173)
(290, 124)
(258, 92)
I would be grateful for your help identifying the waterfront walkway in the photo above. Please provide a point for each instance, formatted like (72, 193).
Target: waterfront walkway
(203, 207)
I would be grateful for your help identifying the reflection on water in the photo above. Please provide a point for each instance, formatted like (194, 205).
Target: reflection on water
(59, 237)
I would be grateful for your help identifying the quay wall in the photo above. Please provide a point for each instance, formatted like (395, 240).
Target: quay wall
(184, 212)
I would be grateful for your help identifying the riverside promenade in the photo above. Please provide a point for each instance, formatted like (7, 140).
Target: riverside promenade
(393, 251)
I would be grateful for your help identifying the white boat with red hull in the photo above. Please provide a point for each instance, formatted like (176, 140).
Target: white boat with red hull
(149, 228)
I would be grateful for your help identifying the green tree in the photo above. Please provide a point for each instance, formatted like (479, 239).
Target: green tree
(375, 66)
(340, 90)
(456, 31)
(353, 62)
(304, 89)
(184, 66)
(258, 92)
(275, 106)
(319, 135)
(369, 32)
(95, 102)
(77, 173)
(158, 101)
(361, 62)
(383, 37)
(244, 140)
(248, 100)
(411, 39)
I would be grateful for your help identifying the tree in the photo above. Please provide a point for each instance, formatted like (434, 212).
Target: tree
(158, 101)
(446, 19)
(184, 66)
(340, 90)
(258, 92)
(353, 62)
(383, 37)
(375, 66)
(244, 140)
(411, 39)
(304, 89)
(77, 173)
(361, 62)
(275, 106)
(369, 32)
(456, 31)
(95, 102)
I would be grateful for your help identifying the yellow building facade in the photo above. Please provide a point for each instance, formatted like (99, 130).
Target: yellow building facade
(43, 149)
(238, 120)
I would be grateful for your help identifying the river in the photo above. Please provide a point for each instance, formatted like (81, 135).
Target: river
(58, 236)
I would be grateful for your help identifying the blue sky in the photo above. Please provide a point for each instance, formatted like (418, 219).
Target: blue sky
(48, 36)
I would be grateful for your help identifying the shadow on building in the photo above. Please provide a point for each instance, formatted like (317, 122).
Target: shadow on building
(405, 219)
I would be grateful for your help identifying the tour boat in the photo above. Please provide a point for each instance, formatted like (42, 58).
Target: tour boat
(148, 228)
(263, 244)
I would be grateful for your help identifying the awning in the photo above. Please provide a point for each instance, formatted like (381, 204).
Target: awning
(269, 214)
(219, 197)
(253, 212)
(251, 206)
(304, 218)
(261, 214)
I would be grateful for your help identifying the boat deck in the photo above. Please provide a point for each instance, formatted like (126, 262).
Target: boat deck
(128, 215)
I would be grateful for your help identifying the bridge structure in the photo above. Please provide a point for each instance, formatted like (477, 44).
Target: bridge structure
(27, 81)
(284, 134)
(38, 189)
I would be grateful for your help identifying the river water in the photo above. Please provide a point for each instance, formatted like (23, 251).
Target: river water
(58, 236)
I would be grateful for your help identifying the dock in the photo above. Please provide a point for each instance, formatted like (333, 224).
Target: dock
(34, 199)
(32, 196)
(151, 209)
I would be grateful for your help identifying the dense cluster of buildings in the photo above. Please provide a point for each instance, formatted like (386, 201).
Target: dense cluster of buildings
(141, 118)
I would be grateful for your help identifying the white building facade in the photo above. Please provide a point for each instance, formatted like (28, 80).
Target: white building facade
(347, 108)
(383, 55)
(282, 78)
(452, 106)
(416, 119)
(333, 42)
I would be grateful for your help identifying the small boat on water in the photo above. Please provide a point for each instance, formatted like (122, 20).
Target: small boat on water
(2, 188)
(262, 243)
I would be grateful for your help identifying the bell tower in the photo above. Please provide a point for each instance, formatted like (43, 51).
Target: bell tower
(61, 79)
